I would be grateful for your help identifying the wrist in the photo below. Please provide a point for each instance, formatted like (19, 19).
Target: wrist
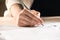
(16, 9)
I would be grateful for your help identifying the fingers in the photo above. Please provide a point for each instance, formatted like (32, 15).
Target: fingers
(35, 12)
(28, 18)
(34, 17)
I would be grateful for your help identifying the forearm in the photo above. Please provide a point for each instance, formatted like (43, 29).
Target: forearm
(16, 9)
(13, 7)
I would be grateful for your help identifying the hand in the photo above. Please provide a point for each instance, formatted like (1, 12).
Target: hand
(28, 18)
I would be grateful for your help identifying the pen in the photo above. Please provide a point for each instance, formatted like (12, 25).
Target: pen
(28, 9)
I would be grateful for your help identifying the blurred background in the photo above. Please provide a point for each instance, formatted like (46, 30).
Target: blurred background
(2, 7)
(46, 7)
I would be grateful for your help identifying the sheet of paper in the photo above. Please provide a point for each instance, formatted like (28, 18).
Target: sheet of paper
(50, 31)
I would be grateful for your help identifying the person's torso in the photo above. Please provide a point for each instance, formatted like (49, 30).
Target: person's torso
(47, 7)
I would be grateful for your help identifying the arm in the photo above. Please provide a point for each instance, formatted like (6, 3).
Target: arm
(15, 5)
(16, 9)
(28, 3)
(23, 17)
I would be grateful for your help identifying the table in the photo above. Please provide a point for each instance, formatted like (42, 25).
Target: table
(6, 20)
(10, 20)
(47, 32)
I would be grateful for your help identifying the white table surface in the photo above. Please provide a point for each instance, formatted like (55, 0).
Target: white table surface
(50, 31)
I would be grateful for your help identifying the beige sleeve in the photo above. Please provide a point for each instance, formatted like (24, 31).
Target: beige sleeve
(9, 3)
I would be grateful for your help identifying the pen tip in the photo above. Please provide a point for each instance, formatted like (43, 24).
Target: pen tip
(42, 24)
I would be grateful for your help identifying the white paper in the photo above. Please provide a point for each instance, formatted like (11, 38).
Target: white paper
(50, 31)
